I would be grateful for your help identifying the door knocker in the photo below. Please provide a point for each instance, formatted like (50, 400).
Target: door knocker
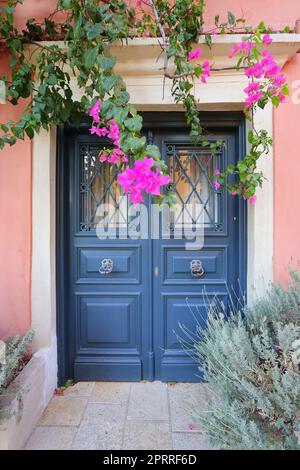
(106, 266)
(196, 268)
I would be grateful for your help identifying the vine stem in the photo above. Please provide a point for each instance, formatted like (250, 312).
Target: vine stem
(191, 74)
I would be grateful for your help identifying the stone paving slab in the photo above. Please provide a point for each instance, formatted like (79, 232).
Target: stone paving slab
(121, 415)
(147, 435)
(51, 438)
(64, 411)
(183, 397)
(110, 392)
(148, 400)
(101, 428)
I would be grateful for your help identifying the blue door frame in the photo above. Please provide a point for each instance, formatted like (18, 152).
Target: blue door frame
(140, 344)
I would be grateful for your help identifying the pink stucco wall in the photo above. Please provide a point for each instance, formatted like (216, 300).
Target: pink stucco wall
(287, 174)
(15, 229)
(15, 170)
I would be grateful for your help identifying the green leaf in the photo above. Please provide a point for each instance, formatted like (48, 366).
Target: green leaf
(66, 4)
(231, 18)
(208, 40)
(90, 57)
(134, 124)
(134, 144)
(275, 101)
(95, 31)
(30, 132)
(152, 151)
(106, 63)
(52, 79)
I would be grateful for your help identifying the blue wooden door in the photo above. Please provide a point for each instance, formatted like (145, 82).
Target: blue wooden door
(180, 297)
(123, 299)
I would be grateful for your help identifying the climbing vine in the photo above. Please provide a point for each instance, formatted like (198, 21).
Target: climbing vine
(44, 73)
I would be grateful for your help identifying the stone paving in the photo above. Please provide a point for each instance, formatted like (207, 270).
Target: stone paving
(121, 415)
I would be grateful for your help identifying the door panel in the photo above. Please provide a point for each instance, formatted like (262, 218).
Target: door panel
(107, 309)
(125, 323)
(179, 296)
(177, 260)
(126, 264)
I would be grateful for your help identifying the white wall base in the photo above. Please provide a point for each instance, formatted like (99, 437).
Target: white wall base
(38, 380)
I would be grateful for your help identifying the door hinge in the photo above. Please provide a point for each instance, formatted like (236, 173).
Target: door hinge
(156, 271)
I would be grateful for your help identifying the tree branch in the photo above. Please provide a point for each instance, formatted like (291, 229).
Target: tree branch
(191, 74)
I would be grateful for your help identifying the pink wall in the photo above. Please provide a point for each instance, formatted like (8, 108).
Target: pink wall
(287, 174)
(274, 12)
(15, 230)
(15, 169)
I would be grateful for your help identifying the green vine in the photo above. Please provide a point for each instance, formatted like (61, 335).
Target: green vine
(43, 73)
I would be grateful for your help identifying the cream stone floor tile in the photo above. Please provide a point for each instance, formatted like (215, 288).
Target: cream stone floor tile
(190, 441)
(184, 398)
(148, 400)
(110, 392)
(80, 389)
(101, 428)
(63, 411)
(147, 435)
(51, 438)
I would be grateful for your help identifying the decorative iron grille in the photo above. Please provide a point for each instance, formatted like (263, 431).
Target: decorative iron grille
(192, 180)
(98, 185)
(191, 171)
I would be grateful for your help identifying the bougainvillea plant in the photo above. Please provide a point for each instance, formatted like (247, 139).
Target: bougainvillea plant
(42, 74)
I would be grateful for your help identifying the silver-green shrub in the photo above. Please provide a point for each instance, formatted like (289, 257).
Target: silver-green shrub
(14, 355)
(251, 360)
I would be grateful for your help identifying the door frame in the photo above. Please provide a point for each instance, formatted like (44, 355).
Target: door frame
(218, 120)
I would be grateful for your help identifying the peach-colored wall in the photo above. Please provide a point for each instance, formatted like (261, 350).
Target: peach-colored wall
(15, 169)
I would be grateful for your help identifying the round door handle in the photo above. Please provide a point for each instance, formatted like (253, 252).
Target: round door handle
(196, 268)
(106, 266)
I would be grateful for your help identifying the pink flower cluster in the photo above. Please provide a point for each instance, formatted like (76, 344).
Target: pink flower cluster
(112, 132)
(246, 46)
(254, 94)
(217, 183)
(265, 71)
(141, 178)
(252, 199)
(95, 111)
(195, 55)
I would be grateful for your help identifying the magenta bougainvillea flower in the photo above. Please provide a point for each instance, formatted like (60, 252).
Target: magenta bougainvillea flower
(95, 111)
(205, 71)
(195, 55)
(142, 178)
(217, 185)
(267, 39)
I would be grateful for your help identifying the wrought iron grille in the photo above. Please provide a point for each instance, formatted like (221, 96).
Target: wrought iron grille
(192, 179)
(191, 172)
(98, 185)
